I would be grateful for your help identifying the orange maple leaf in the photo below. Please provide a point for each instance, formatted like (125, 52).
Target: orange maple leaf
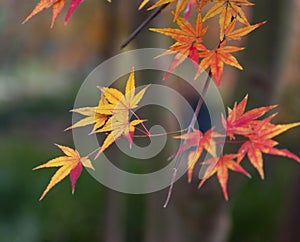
(188, 41)
(221, 166)
(70, 164)
(200, 141)
(236, 34)
(260, 141)
(228, 10)
(215, 59)
(44, 4)
(201, 3)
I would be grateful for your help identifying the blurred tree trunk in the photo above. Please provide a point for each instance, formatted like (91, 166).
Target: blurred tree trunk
(290, 80)
(274, 55)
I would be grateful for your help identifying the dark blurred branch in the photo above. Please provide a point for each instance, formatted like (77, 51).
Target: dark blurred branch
(140, 27)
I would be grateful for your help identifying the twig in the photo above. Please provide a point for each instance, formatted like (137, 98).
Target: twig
(160, 134)
(190, 127)
(140, 27)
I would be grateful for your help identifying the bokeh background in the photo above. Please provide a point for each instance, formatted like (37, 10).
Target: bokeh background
(41, 70)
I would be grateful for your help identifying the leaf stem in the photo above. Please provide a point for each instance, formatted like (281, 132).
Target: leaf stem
(92, 152)
(143, 125)
(142, 131)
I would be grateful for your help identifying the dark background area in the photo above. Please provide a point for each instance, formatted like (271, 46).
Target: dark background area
(41, 70)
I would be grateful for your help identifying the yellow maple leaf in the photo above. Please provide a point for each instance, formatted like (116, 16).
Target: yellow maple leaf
(70, 164)
(117, 101)
(180, 5)
(118, 125)
(119, 107)
(92, 116)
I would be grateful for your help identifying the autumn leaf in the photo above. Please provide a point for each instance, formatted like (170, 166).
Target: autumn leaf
(57, 6)
(200, 141)
(215, 59)
(236, 34)
(238, 121)
(185, 5)
(73, 5)
(92, 116)
(201, 3)
(70, 164)
(117, 101)
(118, 125)
(227, 11)
(44, 4)
(261, 141)
(180, 5)
(119, 106)
(220, 166)
(143, 4)
(188, 41)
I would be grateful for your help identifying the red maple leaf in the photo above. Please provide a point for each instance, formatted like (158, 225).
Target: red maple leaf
(260, 141)
(238, 121)
(199, 140)
(220, 166)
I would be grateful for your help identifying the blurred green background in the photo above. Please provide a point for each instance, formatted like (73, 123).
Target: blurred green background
(41, 70)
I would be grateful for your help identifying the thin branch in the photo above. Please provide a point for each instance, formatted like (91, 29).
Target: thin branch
(190, 127)
(160, 134)
(141, 26)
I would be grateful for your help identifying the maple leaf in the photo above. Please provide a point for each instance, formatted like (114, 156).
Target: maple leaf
(118, 107)
(44, 4)
(180, 5)
(200, 141)
(215, 59)
(117, 101)
(260, 141)
(73, 5)
(236, 34)
(228, 10)
(221, 166)
(92, 116)
(238, 121)
(57, 6)
(118, 125)
(70, 164)
(143, 4)
(201, 3)
(188, 42)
